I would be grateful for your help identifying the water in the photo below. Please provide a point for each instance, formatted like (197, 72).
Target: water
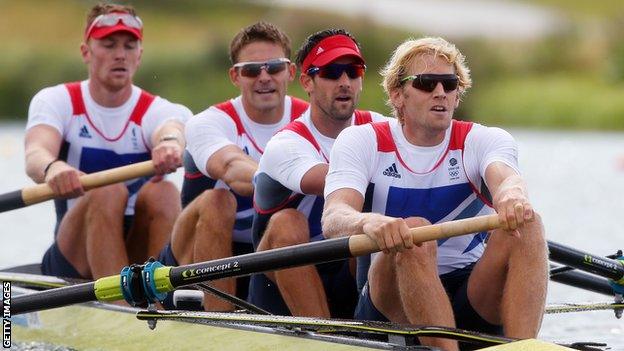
(575, 181)
(449, 18)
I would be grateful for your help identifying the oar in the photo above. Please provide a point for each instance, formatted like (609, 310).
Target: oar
(42, 192)
(582, 280)
(164, 279)
(605, 267)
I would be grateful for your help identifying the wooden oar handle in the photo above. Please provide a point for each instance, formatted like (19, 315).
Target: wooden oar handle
(42, 192)
(362, 244)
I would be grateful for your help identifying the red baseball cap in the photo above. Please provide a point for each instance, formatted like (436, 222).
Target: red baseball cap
(330, 49)
(107, 24)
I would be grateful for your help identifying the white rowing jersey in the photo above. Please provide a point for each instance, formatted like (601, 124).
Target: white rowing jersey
(221, 125)
(440, 183)
(97, 138)
(289, 155)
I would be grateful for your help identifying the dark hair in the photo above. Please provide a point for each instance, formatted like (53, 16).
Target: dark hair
(260, 31)
(315, 38)
(103, 8)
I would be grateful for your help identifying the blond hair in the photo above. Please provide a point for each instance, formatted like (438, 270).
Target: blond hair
(405, 54)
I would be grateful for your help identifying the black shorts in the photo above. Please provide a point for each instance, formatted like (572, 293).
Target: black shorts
(167, 258)
(456, 285)
(339, 284)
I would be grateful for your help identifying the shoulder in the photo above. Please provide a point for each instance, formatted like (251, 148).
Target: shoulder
(211, 116)
(480, 132)
(288, 135)
(378, 117)
(357, 136)
(53, 94)
(52, 101)
(161, 105)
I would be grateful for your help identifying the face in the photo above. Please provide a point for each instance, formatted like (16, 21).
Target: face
(428, 111)
(265, 92)
(338, 98)
(113, 60)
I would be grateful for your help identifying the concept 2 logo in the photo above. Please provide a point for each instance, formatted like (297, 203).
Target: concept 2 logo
(210, 270)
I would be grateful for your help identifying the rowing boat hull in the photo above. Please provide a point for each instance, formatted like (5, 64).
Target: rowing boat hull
(89, 328)
(84, 327)
(98, 326)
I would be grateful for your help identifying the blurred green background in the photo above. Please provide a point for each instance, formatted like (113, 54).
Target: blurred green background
(572, 78)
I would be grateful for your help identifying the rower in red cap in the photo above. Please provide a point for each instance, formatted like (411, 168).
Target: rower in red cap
(101, 123)
(288, 197)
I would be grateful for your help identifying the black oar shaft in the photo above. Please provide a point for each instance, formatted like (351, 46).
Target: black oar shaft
(157, 280)
(53, 298)
(583, 280)
(602, 266)
(311, 253)
(11, 201)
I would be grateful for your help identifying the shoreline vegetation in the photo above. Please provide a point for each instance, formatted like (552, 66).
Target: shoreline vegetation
(571, 79)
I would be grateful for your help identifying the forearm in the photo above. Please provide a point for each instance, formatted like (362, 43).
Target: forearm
(511, 185)
(239, 175)
(42, 145)
(340, 219)
(171, 130)
(37, 159)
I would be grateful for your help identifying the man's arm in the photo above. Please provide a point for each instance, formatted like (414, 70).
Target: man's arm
(510, 195)
(169, 143)
(342, 216)
(313, 181)
(42, 146)
(234, 167)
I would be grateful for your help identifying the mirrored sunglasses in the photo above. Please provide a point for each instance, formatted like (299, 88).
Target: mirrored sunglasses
(335, 70)
(111, 19)
(253, 69)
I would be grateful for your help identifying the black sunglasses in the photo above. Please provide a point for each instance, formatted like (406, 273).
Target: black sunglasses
(428, 82)
(253, 69)
(335, 70)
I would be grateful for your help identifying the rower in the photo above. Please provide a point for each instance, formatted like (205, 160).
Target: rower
(426, 167)
(101, 123)
(289, 183)
(225, 143)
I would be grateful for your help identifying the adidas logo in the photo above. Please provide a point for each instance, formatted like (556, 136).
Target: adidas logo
(319, 50)
(84, 132)
(392, 172)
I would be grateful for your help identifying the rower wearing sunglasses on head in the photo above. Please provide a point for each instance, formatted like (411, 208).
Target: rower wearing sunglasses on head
(100, 123)
(425, 167)
(225, 143)
(289, 183)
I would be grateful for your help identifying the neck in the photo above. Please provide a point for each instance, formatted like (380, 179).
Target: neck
(329, 127)
(264, 116)
(421, 135)
(106, 97)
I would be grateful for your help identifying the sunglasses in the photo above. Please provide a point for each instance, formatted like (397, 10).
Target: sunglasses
(111, 19)
(335, 70)
(428, 82)
(253, 69)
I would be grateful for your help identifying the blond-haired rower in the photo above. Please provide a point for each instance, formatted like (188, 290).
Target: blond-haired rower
(427, 167)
